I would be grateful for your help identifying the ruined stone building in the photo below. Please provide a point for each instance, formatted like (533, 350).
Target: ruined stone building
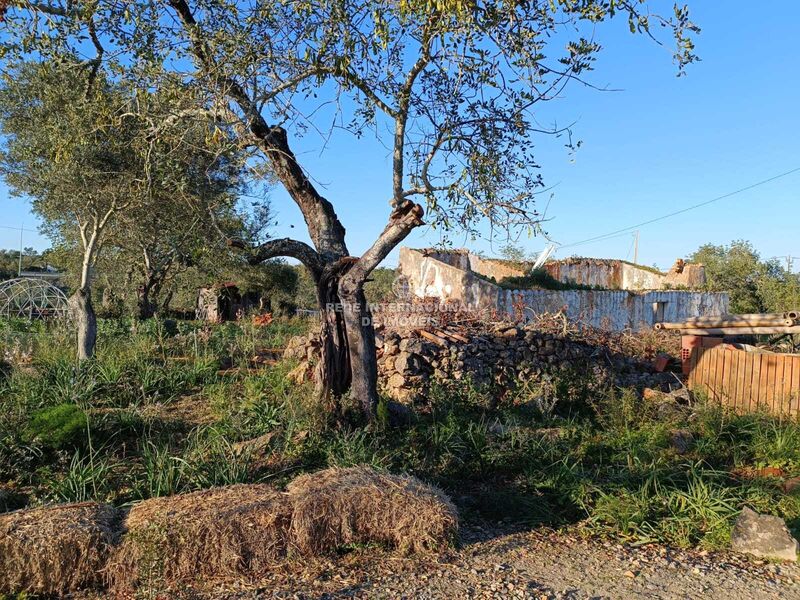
(610, 294)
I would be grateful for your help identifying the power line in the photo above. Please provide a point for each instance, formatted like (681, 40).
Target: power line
(681, 211)
(18, 229)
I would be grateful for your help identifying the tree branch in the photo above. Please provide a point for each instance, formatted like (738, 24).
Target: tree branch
(324, 226)
(288, 247)
(403, 105)
(405, 218)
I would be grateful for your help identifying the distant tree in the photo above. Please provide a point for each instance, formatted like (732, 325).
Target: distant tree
(514, 253)
(380, 286)
(97, 176)
(454, 84)
(10, 262)
(754, 285)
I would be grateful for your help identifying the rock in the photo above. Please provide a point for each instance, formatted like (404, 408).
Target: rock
(405, 362)
(255, 446)
(400, 415)
(681, 440)
(764, 536)
(411, 345)
(397, 381)
(300, 374)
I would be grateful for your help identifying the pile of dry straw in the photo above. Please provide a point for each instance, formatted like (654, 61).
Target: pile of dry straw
(239, 531)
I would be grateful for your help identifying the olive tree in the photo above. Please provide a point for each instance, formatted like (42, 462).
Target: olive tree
(82, 149)
(66, 150)
(450, 86)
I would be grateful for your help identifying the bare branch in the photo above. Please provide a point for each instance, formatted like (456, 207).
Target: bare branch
(403, 220)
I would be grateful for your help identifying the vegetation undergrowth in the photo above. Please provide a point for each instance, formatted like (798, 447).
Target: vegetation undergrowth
(162, 412)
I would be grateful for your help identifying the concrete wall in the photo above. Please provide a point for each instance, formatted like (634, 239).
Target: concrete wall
(496, 269)
(615, 310)
(429, 277)
(620, 275)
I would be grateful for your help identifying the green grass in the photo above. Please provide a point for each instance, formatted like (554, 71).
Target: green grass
(150, 416)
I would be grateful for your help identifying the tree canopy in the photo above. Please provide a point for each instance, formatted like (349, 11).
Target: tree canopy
(450, 88)
(755, 285)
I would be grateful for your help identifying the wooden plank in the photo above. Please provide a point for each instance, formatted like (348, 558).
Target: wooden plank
(695, 356)
(694, 371)
(745, 373)
(755, 385)
(738, 384)
(711, 370)
(719, 373)
(722, 331)
(750, 361)
(733, 378)
(795, 387)
(710, 356)
(725, 383)
(457, 337)
(782, 387)
(434, 338)
(786, 394)
(768, 381)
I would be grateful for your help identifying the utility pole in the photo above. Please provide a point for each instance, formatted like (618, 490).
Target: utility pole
(636, 247)
(19, 264)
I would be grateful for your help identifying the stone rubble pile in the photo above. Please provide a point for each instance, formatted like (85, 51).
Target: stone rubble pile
(506, 355)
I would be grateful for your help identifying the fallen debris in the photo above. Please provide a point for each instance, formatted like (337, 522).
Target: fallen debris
(56, 550)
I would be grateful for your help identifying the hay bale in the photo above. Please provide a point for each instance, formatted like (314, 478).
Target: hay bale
(336, 507)
(239, 530)
(56, 550)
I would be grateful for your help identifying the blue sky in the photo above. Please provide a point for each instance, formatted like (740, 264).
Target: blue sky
(659, 144)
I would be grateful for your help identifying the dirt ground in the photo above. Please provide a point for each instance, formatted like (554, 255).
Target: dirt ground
(537, 564)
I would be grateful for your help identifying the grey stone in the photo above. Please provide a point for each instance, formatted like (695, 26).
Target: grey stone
(681, 440)
(399, 414)
(764, 536)
(411, 345)
(397, 381)
(406, 362)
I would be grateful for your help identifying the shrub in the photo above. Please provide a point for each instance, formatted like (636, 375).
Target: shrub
(63, 426)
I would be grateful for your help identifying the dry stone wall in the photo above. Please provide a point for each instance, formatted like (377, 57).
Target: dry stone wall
(507, 357)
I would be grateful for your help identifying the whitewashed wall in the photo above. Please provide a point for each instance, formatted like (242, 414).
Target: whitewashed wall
(615, 310)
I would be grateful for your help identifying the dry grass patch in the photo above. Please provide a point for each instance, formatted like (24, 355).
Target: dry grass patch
(236, 531)
(56, 550)
(338, 507)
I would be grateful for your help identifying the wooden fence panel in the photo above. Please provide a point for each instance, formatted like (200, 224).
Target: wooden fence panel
(747, 381)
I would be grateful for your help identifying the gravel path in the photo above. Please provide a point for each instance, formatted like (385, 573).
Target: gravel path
(540, 565)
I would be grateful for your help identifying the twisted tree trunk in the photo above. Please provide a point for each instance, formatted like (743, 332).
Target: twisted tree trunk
(348, 338)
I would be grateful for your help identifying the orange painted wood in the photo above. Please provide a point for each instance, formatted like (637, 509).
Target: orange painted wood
(755, 382)
(764, 387)
(795, 385)
(729, 378)
(742, 359)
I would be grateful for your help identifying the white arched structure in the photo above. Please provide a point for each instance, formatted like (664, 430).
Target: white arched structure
(31, 298)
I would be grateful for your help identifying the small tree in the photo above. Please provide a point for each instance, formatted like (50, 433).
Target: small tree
(755, 285)
(453, 84)
(66, 149)
(98, 176)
